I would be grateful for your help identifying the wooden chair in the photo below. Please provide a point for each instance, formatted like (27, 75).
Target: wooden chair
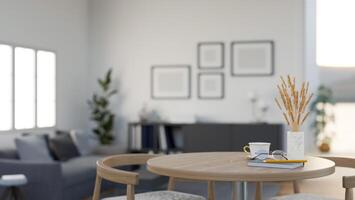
(348, 182)
(106, 170)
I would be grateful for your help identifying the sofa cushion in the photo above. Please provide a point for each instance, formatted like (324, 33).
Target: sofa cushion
(8, 154)
(80, 169)
(33, 148)
(63, 147)
(85, 142)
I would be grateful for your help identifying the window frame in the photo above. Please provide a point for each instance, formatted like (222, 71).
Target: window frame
(35, 49)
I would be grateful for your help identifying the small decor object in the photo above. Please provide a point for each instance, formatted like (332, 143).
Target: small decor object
(293, 104)
(210, 55)
(12, 184)
(171, 82)
(147, 115)
(100, 111)
(252, 58)
(322, 108)
(211, 86)
(259, 107)
(263, 108)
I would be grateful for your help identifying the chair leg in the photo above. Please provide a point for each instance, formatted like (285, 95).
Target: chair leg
(130, 192)
(97, 189)
(211, 195)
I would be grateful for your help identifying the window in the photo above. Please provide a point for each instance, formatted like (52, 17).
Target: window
(343, 140)
(27, 85)
(5, 87)
(335, 33)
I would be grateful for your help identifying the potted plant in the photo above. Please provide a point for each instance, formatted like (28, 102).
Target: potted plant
(323, 116)
(101, 114)
(293, 104)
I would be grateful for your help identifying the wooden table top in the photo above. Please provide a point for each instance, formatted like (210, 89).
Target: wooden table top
(232, 166)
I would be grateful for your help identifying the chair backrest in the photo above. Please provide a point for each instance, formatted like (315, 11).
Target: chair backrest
(106, 170)
(348, 181)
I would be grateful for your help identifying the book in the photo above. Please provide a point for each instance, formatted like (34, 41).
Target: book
(147, 137)
(162, 138)
(260, 163)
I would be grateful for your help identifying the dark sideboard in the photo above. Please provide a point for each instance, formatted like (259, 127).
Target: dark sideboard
(202, 137)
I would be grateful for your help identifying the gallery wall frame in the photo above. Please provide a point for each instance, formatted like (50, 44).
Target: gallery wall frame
(171, 82)
(252, 58)
(216, 83)
(210, 55)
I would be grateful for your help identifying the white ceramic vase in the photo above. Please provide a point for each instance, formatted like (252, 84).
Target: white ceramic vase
(295, 145)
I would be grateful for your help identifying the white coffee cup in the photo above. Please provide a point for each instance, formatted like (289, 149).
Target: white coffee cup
(260, 149)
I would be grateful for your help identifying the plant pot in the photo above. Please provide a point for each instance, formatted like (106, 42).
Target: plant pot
(295, 145)
(324, 147)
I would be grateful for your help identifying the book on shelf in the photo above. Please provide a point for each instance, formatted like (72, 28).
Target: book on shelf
(162, 138)
(147, 137)
(260, 163)
(156, 137)
(136, 137)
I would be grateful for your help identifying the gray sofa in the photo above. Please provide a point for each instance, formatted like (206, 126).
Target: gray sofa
(70, 180)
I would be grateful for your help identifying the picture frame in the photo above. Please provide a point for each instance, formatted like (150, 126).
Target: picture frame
(210, 55)
(171, 82)
(252, 58)
(211, 85)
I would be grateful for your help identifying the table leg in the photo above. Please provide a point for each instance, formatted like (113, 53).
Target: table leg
(241, 191)
(234, 191)
(211, 195)
(245, 190)
(258, 190)
(171, 184)
(296, 188)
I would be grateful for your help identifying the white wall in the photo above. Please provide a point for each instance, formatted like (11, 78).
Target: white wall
(61, 26)
(311, 68)
(132, 35)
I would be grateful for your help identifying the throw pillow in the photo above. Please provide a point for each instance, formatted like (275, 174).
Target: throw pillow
(33, 148)
(85, 142)
(63, 147)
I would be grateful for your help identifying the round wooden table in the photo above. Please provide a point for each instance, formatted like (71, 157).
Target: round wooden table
(232, 166)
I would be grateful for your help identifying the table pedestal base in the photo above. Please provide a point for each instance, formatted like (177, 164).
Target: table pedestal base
(240, 191)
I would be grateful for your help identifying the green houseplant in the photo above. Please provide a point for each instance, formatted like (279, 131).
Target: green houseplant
(100, 111)
(323, 115)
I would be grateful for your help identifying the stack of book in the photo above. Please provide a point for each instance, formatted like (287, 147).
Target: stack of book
(281, 164)
(153, 137)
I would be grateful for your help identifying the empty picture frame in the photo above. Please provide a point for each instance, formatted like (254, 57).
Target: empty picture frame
(252, 58)
(170, 82)
(211, 85)
(210, 55)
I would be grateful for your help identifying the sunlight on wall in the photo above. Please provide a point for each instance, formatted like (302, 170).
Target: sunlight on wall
(335, 33)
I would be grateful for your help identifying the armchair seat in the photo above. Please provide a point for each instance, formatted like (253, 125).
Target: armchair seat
(160, 195)
(107, 169)
(302, 197)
